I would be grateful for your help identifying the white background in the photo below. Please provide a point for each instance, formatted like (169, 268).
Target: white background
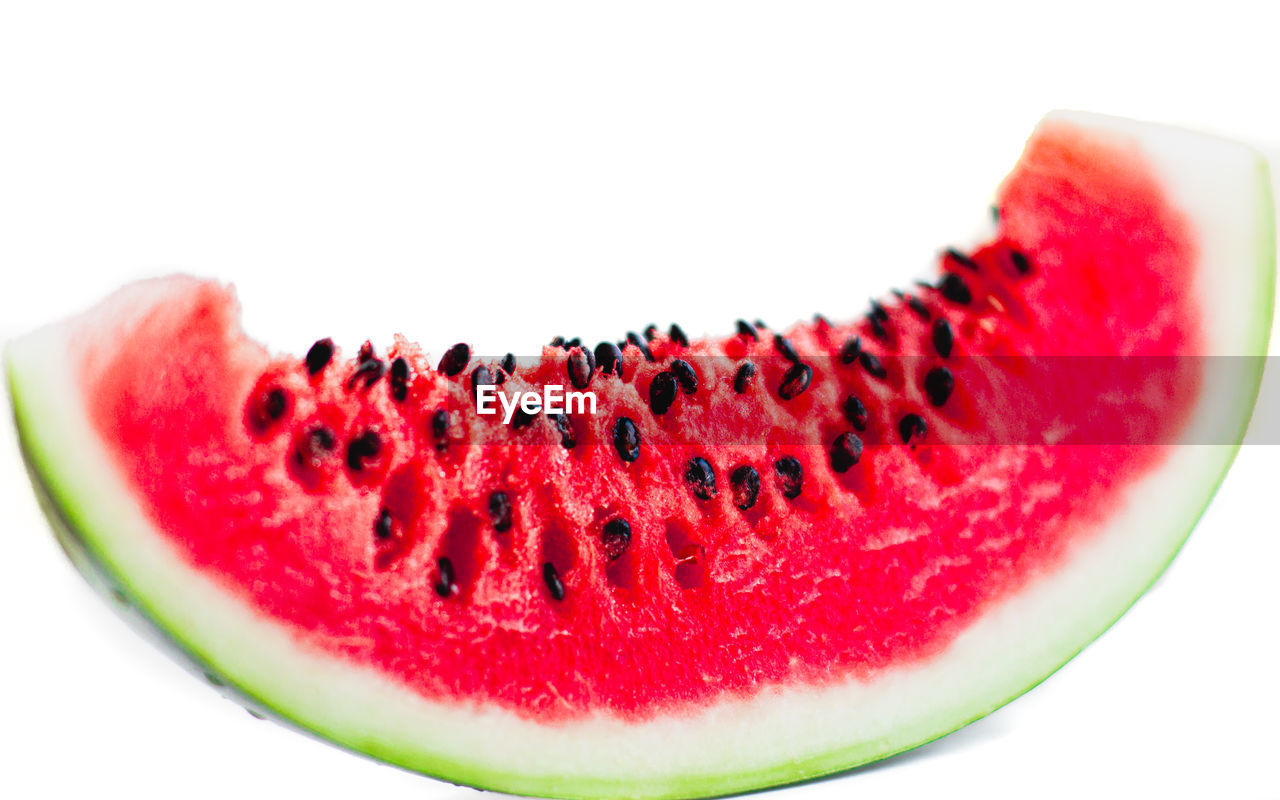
(504, 173)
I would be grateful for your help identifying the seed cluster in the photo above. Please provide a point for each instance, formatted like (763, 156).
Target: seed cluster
(317, 450)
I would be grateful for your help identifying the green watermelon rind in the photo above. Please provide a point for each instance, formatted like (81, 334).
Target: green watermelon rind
(91, 515)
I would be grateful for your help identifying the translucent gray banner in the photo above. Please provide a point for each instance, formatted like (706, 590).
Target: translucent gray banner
(884, 400)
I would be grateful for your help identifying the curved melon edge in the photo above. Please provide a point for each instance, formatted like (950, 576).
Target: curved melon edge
(111, 542)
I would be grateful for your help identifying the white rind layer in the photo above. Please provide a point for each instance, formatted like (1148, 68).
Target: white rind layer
(779, 735)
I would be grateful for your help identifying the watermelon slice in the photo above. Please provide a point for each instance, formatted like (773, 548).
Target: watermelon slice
(762, 558)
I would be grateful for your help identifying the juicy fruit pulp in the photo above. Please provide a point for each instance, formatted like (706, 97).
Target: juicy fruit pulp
(340, 505)
(792, 509)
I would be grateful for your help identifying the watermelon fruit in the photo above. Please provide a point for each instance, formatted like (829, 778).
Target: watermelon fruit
(760, 558)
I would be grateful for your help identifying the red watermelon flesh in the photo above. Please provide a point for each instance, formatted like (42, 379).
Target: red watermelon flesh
(751, 552)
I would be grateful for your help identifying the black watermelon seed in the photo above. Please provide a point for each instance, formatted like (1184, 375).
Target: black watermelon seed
(745, 329)
(267, 408)
(371, 369)
(642, 345)
(565, 428)
(938, 383)
(616, 538)
(650, 332)
(552, 579)
(795, 380)
(382, 525)
(480, 376)
(609, 358)
(701, 478)
(877, 327)
(366, 352)
(319, 356)
(439, 426)
(962, 259)
(321, 439)
(455, 359)
(942, 339)
(275, 404)
(742, 378)
(878, 311)
(521, 419)
(446, 584)
(578, 365)
(315, 447)
(363, 448)
(685, 376)
(572, 343)
(871, 364)
(850, 350)
(677, 335)
(785, 348)
(846, 451)
(917, 305)
(745, 482)
(911, 428)
(508, 363)
(1020, 261)
(855, 412)
(790, 475)
(499, 378)
(500, 511)
(557, 341)
(955, 289)
(662, 393)
(626, 439)
(399, 380)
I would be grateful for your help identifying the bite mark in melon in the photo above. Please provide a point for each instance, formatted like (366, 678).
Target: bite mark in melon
(766, 557)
